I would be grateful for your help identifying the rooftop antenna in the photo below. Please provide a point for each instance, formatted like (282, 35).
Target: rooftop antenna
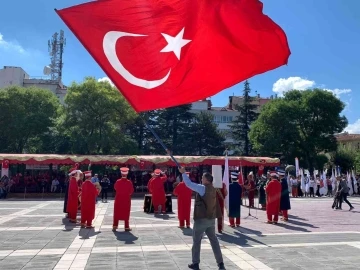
(56, 49)
(47, 71)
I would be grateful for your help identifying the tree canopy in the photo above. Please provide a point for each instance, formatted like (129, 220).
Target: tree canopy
(95, 118)
(301, 124)
(240, 127)
(26, 114)
(205, 137)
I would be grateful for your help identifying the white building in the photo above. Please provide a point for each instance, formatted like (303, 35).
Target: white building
(16, 76)
(223, 116)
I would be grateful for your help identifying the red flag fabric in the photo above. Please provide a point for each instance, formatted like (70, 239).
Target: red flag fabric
(163, 53)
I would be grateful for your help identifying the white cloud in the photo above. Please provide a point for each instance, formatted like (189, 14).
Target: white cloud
(354, 128)
(337, 92)
(11, 45)
(106, 79)
(284, 85)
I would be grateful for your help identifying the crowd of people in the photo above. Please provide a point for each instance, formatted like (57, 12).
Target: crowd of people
(56, 181)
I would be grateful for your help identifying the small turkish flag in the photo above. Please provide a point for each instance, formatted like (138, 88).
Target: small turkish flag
(5, 164)
(166, 53)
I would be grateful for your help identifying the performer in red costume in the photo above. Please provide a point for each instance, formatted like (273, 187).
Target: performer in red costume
(73, 193)
(273, 194)
(88, 199)
(221, 193)
(251, 189)
(156, 188)
(122, 205)
(184, 203)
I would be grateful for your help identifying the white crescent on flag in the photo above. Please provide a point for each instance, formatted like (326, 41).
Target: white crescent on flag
(109, 46)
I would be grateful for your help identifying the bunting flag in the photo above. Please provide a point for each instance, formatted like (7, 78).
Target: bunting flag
(333, 179)
(289, 182)
(323, 184)
(226, 182)
(5, 168)
(303, 185)
(297, 168)
(349, 183)
(355, 182)
(241, 178)
(338, 170)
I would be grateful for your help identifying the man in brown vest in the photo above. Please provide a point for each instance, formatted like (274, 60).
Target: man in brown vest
(205, 212)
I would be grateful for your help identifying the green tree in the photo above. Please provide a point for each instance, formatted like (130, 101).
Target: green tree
(206, 138)
(302, 124)
(141, 134)
(357, 162)
(95, 119)
(345, 158)
(26, 114)
(240, 126)
(173, 127)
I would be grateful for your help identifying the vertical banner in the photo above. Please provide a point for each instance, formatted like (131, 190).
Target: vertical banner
(303, 184)
(297, 167)
(226, 181)
(5, 168)
(348, 179)
(217, 174)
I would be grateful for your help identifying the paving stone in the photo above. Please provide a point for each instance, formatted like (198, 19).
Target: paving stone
(150, 235)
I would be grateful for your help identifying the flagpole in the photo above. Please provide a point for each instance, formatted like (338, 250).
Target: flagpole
(160, 142)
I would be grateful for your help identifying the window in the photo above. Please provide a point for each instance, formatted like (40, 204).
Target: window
(222, 119)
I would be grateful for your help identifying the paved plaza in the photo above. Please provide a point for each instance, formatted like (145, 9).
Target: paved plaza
(35, 235)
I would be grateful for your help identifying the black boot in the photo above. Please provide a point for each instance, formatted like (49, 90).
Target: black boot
(221, 266)
(194, 266)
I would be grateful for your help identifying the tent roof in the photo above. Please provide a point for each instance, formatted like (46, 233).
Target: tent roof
(33, 159)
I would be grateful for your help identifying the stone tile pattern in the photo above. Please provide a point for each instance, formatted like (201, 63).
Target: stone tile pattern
(35, 235)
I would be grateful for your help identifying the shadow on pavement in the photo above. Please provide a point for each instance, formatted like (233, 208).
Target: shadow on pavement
(163, 217)
(302, 224)
(87, 233)
(248, 231)
(293, 228)
(68, 225)
(297, 218)
(126, 237)
(187, 231)
(239, 239)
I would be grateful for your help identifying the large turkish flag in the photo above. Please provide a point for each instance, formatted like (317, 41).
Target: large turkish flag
(163, 53)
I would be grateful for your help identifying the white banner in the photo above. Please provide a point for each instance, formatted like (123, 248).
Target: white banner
(4, 172)
(297, 167)
(217, 174)
(226, 181)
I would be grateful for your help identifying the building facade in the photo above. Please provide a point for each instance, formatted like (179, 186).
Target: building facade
(223, 116)
(349, 141)
(16, 76)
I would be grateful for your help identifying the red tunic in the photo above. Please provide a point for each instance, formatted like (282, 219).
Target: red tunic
(251, 188)
(273, 195)
(122, 205)
(72, 203)
(184, 201)
(156, 188)
(88, 199)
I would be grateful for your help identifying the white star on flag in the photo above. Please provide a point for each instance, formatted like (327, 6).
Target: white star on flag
(175, 43)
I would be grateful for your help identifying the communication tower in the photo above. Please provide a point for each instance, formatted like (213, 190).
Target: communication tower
(56, 50)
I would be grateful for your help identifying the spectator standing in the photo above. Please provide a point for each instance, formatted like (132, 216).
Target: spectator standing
(54, 185)
(105, 184)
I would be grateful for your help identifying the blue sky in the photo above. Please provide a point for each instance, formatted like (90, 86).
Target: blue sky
(324, 37)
